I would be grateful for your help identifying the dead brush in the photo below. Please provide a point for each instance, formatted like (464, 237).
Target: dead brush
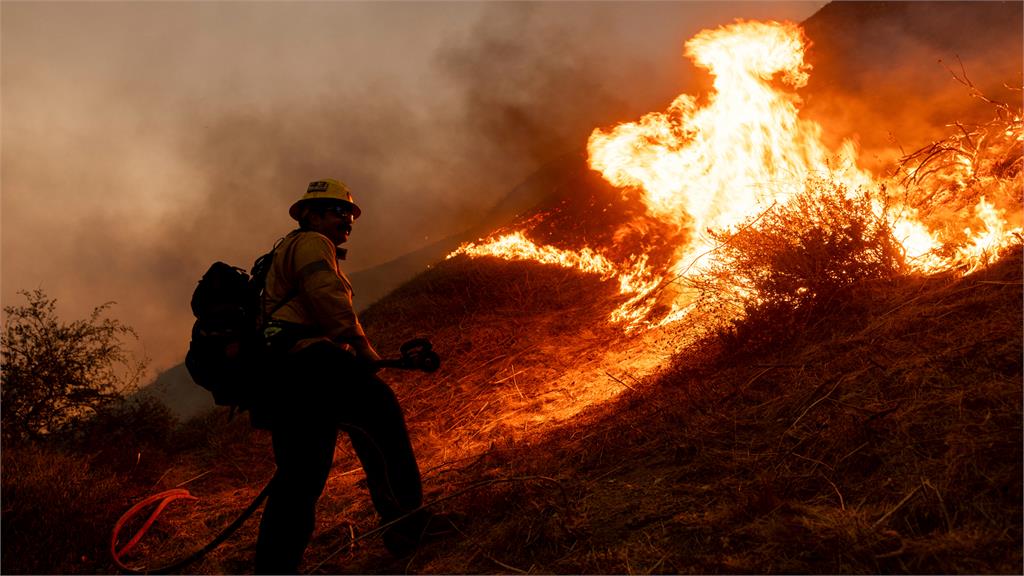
(944, 180)
(781, 271)
(890, 446)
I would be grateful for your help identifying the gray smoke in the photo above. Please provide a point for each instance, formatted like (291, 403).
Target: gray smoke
(142, 141)
(882, 70)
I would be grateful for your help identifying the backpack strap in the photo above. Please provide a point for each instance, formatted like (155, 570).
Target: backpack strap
(261, 268)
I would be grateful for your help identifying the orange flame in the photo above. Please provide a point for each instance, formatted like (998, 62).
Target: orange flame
(515, 246)
(713, 166)
(984, 245)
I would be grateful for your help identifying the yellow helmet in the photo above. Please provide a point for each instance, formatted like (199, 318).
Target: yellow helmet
(329, 189)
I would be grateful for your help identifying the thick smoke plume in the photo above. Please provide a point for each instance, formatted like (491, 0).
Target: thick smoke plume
(143, 141)
(883, 71)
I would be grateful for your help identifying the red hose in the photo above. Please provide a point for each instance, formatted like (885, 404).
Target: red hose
(165, 498)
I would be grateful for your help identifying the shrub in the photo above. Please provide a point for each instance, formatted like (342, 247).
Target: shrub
(55, 373)
(792, 264)
(128, 436)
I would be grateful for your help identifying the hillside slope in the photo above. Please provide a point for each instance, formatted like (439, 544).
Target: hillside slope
(883, 443)
(886, 441)
(885, 436)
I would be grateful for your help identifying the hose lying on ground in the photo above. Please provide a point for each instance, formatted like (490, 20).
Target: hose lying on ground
(166, 497)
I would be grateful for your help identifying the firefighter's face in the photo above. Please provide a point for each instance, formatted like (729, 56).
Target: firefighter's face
(335, 222)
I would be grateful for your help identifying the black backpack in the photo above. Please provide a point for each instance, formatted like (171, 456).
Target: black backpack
(226, 354)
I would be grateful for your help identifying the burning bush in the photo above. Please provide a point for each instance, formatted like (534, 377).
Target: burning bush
(713, 164)
(974, 161)
(967, 187)
(790, 265)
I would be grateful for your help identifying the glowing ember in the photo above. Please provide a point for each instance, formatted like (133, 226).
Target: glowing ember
(746, 149)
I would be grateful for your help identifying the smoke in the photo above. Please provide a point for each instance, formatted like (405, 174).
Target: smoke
(531, 92)
(882, 72)
(142, 141)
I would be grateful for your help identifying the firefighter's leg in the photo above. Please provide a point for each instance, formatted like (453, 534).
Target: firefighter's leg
(381, 441)
(304, 452)
(365, 407)
(379, 436)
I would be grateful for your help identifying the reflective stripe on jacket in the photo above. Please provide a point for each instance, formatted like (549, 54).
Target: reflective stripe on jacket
(305, 271)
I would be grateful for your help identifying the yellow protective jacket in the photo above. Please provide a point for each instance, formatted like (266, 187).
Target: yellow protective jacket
(317, 295)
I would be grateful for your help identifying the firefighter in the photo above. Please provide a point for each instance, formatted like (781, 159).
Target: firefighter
(324, 381)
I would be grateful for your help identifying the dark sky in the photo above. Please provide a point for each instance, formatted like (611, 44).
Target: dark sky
(142, 141)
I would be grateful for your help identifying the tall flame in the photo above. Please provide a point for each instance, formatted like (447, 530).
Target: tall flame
(714, 165)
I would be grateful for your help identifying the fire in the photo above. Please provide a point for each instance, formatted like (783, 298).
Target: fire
(515, 246)
(983, 245)
(712, 165)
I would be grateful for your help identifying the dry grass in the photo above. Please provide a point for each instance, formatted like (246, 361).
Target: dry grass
(56, 492)
(886, 438)
(67, 496)
(882, 441)
(508, 334)
(891, 446)
(866, 422)
(784, 270)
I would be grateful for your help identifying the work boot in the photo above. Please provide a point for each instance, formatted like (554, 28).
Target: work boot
(402, 539)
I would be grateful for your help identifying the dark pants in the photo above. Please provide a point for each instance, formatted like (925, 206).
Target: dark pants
(320, 391)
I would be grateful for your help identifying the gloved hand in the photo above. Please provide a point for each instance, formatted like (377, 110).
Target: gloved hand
(365, 351)
(366, 356)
